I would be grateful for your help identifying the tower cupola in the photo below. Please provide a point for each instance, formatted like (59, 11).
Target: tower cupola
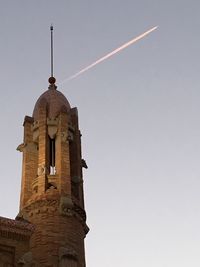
(52, 181)
(55, 102)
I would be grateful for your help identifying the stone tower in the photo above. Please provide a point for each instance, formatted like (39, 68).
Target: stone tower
(52, 182)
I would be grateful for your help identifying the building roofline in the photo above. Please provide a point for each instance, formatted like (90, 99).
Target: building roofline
(15, 229)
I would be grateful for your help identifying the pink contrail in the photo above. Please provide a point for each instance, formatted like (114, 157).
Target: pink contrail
(117, 50)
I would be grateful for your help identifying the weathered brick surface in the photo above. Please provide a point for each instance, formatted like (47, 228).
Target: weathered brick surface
(54, 231)
(62, 156)
(14, 240)
(52, 203)
(29, 166)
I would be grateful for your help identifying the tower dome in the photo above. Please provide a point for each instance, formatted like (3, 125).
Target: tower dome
(55, 100)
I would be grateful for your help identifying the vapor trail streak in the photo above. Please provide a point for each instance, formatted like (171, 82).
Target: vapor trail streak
(117, 50)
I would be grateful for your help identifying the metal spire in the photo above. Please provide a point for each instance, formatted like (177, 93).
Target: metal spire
(52, 80)
(51, 29)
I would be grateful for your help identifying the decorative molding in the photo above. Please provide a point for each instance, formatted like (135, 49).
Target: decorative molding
(41, 170)
(15, 229)
(43, 205)
(68, 207)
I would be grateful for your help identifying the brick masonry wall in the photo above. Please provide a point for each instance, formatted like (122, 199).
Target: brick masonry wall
(56, 212)
(55, 230)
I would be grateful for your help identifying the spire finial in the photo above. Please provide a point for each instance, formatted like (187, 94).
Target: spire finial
(51, 29)
(52, 80)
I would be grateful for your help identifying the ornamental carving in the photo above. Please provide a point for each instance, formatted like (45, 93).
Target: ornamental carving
(41, 204)
(41, 170)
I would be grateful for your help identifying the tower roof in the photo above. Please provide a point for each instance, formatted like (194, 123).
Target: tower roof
(55, 100)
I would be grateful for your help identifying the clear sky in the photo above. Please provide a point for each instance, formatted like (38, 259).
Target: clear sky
(139, 115)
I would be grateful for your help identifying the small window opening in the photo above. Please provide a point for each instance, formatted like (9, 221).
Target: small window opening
(52, 157)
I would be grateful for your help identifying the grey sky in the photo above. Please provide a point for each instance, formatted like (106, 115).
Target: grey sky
(139, 115)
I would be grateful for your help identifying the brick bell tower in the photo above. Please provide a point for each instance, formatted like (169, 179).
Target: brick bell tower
(52, 182)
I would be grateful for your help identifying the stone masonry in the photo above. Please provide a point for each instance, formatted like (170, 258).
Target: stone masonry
(51, 225)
